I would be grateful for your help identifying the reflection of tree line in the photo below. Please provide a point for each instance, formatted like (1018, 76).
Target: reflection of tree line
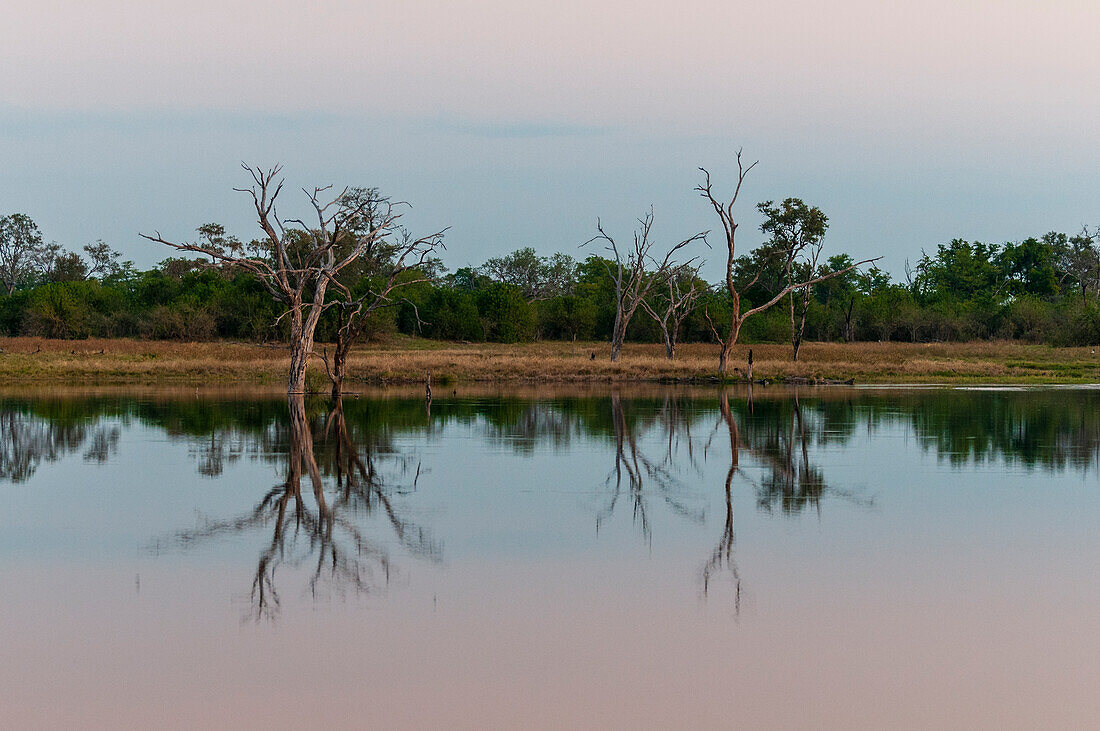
(337, 453)
(27, 440)
(352, 470)
(1040, 429)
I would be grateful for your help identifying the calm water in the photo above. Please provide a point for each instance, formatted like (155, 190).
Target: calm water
(651, 558)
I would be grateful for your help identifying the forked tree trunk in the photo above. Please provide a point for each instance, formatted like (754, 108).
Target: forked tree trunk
(616, 346)
(288, 276)
(301, 338)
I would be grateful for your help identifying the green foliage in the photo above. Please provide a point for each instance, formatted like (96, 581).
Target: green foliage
(1041, 289)
(1029, 268)
(66, 310)
(571, 317)
(506, 315)
(535, 276)
(13, 308)
(446, 314)
(960, 270)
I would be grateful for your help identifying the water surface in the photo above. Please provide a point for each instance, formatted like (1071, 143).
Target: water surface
(569, 557)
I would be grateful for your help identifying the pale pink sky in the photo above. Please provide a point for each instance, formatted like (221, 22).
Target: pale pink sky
(980, 114)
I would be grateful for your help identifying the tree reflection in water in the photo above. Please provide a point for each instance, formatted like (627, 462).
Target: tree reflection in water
(778, 435)
(343, 525)
(636, 467)
(28, 440)
(326, 533)
(723, 560)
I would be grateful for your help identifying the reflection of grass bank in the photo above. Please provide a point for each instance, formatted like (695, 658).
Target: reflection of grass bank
(407, 360)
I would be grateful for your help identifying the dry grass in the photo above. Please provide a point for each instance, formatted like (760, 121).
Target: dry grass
(407, 360)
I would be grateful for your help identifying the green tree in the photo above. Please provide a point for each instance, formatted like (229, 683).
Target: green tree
(505, 313)
(1029, 268)
(20, 249)
(537, 277)
(960, 271)
(570, 317)
(796, 233)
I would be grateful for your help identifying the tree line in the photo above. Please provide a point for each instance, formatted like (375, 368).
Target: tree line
(351, 271)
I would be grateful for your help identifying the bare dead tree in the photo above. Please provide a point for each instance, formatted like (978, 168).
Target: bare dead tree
(729, 227)
(677, 305)
(632, 282)
(297, 265)
(354, 312)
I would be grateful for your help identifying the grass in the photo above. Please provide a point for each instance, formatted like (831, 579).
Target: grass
(406, 360)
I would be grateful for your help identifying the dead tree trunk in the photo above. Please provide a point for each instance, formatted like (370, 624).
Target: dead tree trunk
(729, 227)
(337, 369)
(681, 301)
(355, 312)
(297, 265)
(632, 282)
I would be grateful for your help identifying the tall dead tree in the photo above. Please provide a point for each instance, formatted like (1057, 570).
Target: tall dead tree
(296, 265)
(676, 305)
(628, 271)
(729, 227)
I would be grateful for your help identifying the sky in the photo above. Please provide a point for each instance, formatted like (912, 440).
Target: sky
(517, 124)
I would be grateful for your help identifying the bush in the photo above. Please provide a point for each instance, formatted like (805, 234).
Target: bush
(178, 323)
(445, 314)
(1032, 319)
(12, 309)
(505, 315)
(58, 310)
(567, 318)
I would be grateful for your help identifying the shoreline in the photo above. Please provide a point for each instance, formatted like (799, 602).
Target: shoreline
(406, 361)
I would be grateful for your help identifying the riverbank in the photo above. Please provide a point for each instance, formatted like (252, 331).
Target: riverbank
(33, 360)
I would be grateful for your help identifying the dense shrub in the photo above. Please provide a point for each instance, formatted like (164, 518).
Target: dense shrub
(505, 315)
